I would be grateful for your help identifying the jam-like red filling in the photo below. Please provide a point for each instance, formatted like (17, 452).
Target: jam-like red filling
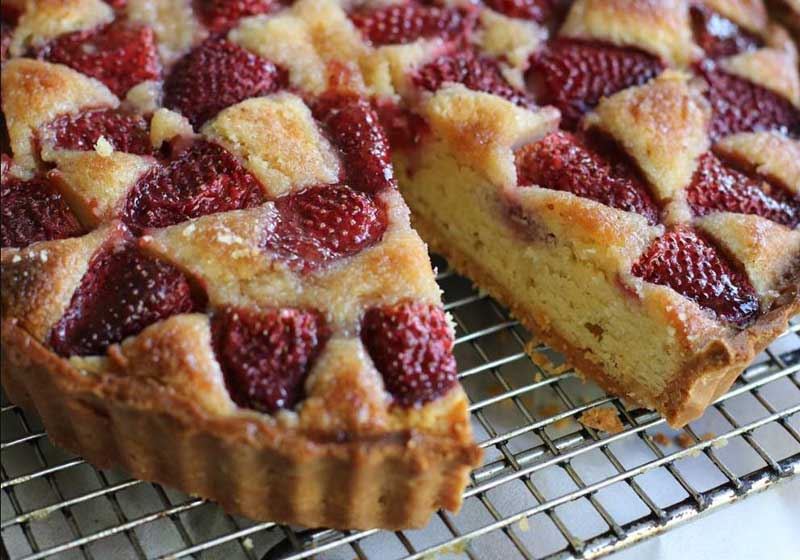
(122, 292)
(203, 179)
(717, 187)
(476, 72)
(693, 267)
(403, 127)
(354, 127)
(33, 210)
(535, 10)
(574, 74)
(564, 162)
(412, 347)
(266, 354)
(120, 54)
(739, 105)
(221, 15)
(718, 36)
(217, 74)
(407, 22)
(323, 224)
(126, 132)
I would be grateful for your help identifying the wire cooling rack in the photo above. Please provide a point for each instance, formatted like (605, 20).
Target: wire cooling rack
(548, 487)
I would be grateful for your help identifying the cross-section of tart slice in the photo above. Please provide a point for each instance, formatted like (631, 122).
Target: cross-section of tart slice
(208, 273)
(627, 186)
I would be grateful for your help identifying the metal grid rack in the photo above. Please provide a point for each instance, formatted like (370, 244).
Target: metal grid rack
(548, 486)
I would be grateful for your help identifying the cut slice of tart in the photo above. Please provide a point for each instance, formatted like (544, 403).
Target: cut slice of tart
(622, 175)
(208, 274)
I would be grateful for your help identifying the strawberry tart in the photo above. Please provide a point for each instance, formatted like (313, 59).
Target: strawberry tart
(209, 274)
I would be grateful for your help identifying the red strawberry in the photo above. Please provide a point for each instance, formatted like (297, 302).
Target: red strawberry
(573, 75)
(716, 187)
(218, 74)
(322, 224)
(122, 292)
(203, 179)
(221, 15)
(120, 54)
(266, 355)
(6, 33)
(536, 10)
(718, 36)
(33, 211)
(405, 23)
(561, 161)
(739, 105)
(355, 129)
(690, 265)
(412, 347)
(478, 73)
(403, 127)
(126, 132)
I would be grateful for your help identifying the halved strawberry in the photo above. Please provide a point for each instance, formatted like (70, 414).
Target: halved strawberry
(739, 105)
(120, 54)
(126, 132)
(564, 162)
(405, 23)
(403, 127)
(718, 36)
(33, 210)
(6, 33)
(221, 15)
(717, 187)
(122, 292)
(355, 129)
(217, 74)
(574, 74)
(476, 72)
(266, 354)
(536, 10)
(411, 346)
(689, 264)
(203, 179)
(322, 224)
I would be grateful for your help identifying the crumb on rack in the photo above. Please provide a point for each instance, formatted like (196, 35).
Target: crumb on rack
(661, 439)
(684, 440)
(604, 418)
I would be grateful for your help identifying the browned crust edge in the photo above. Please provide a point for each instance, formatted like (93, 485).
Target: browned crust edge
(244, 464)
(707, 375)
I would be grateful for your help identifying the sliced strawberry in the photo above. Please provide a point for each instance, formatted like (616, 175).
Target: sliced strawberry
(690, 265)
(478, 73)
(322, 224)
(717, 187)
(6, 33)
(355, 129)
(718, 36)
(266, 355)
(411, 345)
(739, 105)
(403, 127)
(221, 15)
(120, 54)
(126, 132)
(33, 211)
(122, 292)
(218, 74)
(574, 75)
(536, 10)
(564, 162)
(405, 23)
(203, 179)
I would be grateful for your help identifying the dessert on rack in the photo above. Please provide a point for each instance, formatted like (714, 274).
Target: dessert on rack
(209, 273)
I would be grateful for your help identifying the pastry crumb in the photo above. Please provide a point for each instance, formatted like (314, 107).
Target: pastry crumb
(661, 439)
(605, 419)
(103, 147)
(247, 543)
(708, 436)
(684, 440)
(524, 526)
